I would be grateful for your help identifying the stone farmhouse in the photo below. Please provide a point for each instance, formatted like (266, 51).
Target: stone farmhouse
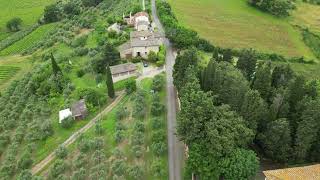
(143, 40)
(77, 111)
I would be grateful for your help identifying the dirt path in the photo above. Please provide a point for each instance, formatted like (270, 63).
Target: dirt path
(175, 147)
(38, 167)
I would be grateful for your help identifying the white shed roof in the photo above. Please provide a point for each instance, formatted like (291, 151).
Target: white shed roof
(63, 114)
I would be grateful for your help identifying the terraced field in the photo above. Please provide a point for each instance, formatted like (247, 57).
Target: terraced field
(28, 41)
(7, 72)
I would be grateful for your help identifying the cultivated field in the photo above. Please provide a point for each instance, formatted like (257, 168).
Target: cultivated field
(28, 10)
(232, 23)
(12, 68)
(28, 41)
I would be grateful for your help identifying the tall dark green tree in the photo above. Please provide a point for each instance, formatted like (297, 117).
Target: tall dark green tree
(227, 55)
(279, 107)
(253, 109)
(111, 54)
(307, 131)
(297, 90)
(55, 68)
(276, 140)
(281, 76)
(226, 82)
(247, 63)
(183, 61)
(262, 80)
(109, 82)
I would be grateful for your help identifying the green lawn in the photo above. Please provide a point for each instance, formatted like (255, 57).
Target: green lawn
(29, 40)
(233, 23)
(28, 10)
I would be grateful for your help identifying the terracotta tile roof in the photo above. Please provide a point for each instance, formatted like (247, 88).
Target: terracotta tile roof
(141, 14)
(297, 173)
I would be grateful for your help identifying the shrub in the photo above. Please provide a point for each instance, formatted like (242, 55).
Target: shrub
(159, 148)
(84, 145)
(81, 51)
(14, 24)
(131, 86)
(157, 83)
(156, 123)
(119, 167)
(67, 123)
(152, 57)
(137, 151)
(80, 41)
(139, 126)
(157, 168)
(122, 113)
(80, 73)
(136, 172)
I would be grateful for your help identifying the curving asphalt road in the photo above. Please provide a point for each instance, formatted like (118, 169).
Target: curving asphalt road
(175, 148)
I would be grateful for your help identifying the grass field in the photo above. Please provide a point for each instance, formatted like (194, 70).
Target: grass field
(233, 23)
(28, 10)
(308, 16)
(28, 41)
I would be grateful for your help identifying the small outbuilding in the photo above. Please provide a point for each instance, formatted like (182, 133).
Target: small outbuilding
(64, 114)
(79, 110)
(115, 27)
(123, 70)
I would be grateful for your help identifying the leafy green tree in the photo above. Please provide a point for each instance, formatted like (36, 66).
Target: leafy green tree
(61, 152)
(79, 174)
(14, 24)
(25, 175)
(71, 8)
(247, 63)
(51, 13)
(276, 140)
(25, 161)
(262, 80)
(109, 82)
(157, 168)
(241, 164)
(89, 3)
(57, 169)
(136, 172)
(156, 106)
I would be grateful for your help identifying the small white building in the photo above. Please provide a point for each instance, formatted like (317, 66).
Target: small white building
(115, 27)
(64, 114)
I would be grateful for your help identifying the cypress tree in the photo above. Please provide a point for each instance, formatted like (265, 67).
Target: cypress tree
(247, 63)
(55, 68)
(262, 80)
(109, 82)
(227, 55)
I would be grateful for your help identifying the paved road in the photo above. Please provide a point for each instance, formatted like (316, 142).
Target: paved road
(38, 167)
(175, 148)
